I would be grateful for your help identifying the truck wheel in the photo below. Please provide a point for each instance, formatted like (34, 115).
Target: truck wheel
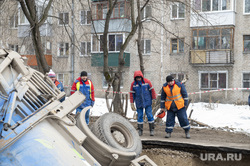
(117, 132)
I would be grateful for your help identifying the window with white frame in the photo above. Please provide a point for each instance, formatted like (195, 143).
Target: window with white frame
(246, 6)
(85, 17)
(63, 18)
(23, 19)
(212, 5)
(13, 47)
(177, 45)
(178, 76)
(246, 80)
(63, 78)
(114, 42)
(63, 49)
(178, 11)
(60, 77)
(85, 48)
(145, 46)
(246, 43)
(213, 80)
(105, 84)
(146, 13)
(14, 21)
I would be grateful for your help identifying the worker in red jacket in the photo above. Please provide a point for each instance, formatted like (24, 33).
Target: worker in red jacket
(84, 85)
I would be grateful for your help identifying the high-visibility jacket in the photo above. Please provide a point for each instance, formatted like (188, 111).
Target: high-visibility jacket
(87, 88)
(174, 97)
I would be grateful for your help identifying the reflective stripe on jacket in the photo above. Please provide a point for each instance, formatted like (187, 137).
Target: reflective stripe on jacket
(87, 88)
(141, 92)
(78, 87)
(175, 96)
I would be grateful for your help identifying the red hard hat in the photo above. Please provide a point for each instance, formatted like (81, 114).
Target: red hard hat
(161, 114)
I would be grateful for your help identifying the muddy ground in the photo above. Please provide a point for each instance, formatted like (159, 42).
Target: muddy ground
(172, 155)
(177, 155)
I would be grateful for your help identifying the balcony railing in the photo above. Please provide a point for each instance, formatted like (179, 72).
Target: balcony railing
(211, 57)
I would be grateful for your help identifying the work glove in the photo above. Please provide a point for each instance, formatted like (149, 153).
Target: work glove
(153, 103)
(133, 106)
(185, 103)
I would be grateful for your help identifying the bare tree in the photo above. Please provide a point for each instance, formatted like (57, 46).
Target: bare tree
(30, 10)
(115, 79)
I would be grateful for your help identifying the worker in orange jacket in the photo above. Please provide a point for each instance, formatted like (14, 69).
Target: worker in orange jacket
(174, 98)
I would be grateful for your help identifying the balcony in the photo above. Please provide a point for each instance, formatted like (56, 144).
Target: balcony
(120, 18)
(97, 59)
(213, 13)
(208, 57)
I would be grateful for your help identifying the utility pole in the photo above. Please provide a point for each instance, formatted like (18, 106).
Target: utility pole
(72, 45)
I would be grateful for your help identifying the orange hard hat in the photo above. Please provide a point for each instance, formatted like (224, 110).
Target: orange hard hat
(161, 114)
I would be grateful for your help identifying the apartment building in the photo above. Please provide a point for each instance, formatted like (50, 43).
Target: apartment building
(205, 41)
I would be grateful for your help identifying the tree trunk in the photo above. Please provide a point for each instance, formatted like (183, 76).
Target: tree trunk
(41, 60)
(29, 9)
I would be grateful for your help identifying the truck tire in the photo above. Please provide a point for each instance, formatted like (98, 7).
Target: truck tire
(117, 132)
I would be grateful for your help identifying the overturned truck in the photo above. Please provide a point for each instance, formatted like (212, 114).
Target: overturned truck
(37, 129)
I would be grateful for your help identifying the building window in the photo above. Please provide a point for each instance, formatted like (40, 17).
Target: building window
(177, 45)
(23, 19)
(121, 10)
(212, 5)
(211, 39)
(47, 47)
(63, 49)
(178, 10)
(114, 43)
(145, 46)
(246, 43)
(246, 6)
(213, 80)
(246, 80)
(146, 13)
(178, 76)
(85, 48)
(60, 77)
(63, 18)
(85, 17)
(63, 78)
(14, 21)
(13, 47)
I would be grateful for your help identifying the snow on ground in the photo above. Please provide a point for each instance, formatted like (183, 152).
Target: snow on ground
(212, 114)
(222, 115)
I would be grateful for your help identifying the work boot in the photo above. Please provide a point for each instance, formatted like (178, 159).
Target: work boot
(151, 128)
(168, 135)
(140, 129)
(187, 134)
